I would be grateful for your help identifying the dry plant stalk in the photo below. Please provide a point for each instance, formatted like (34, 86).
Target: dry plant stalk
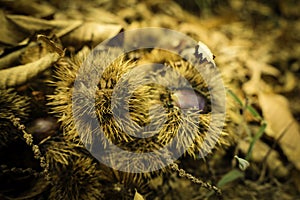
(184, 174)
(35, 148)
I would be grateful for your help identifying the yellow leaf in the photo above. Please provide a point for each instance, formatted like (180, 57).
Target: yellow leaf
(138, 196)
(281, 125)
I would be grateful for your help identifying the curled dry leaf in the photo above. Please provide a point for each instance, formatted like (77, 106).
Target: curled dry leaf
(281, 125)
(21, 74)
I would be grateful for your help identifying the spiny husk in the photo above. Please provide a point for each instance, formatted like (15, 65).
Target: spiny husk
(11, 104)
(122, 185)
(61, 101)
(74, 174)
(58, 151)
(77, 180)
(145, 98)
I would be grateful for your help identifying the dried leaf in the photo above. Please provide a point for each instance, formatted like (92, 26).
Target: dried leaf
(11, 59)
(256, 84)
(9, 34)
(289, 84)
(31, 24)
(282, 126)
(138, 196)
(20, 74)
(253, 86)
(90, 14)
(262, 67)
(38, 9)
(90, 33)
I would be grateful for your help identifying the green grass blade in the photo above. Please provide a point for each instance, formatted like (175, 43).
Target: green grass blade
(232, 175)
(255, 138)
